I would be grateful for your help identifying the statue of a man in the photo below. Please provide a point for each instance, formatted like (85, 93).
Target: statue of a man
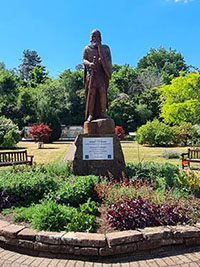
(97, 72)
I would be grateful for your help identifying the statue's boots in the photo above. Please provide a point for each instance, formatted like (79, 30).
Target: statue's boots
(104, 115)
(90, 118)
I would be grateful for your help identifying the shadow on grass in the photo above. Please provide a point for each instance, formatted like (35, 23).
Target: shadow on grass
(43, 148)
(14, 148)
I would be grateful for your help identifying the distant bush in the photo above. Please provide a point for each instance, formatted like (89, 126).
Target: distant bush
(171, 154)
(119, 131)
(196, 135)
(9, 133)
(40, 133)
(155, 133)
(183, 133)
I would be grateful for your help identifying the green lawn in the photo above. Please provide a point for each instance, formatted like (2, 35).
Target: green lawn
(135, 153)
(132, 152)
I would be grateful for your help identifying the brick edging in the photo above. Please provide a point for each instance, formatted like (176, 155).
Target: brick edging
(97, 245)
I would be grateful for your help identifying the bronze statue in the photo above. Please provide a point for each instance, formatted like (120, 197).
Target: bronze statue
(97, 72)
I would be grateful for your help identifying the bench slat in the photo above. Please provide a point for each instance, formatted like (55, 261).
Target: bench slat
(15, 157)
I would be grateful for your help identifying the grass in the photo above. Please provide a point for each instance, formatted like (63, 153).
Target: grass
(135, 153)
(132, 152)
(54, 152)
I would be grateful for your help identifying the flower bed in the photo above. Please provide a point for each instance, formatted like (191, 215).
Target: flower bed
(51, 198)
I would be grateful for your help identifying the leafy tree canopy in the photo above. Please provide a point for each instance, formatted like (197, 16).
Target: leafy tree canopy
(29, 60)
(162, 63)
(181, 99)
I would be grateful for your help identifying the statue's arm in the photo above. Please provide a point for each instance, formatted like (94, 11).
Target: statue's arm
(86, 62)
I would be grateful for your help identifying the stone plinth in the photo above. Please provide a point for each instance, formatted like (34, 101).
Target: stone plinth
(99, 126)
(113, 168)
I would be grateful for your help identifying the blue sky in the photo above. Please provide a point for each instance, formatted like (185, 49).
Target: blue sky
(59, 29)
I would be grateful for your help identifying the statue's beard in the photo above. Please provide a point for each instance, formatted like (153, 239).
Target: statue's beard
(95, 44)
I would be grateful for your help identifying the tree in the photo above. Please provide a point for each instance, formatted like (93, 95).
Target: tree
(73, 106)
(29, 60)
(37, 75)
(181, 99)
(162, 63)
(121, 81)
(2, 66)
(50, 117)
(27, 106)
(9, 87)
(40, 133)
(119, 131)
(9, 133)
(122, 110)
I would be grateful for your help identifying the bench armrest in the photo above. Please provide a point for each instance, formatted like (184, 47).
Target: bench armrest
(31, 160)
(184, 154)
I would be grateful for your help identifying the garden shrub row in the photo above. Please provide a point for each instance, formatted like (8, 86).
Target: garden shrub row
(156, 133)
(48, 198)
(54, 199)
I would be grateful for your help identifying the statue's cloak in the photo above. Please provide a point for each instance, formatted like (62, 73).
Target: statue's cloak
(106, 61)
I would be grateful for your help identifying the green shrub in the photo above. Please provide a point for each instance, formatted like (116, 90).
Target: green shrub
(75, 190)
(59, 169)
(196, 135)
(84, 219)
(189, 180)
(50, 216)
(155, 133)
(152, 171)
(82, 222)
(28, 186)
(171, 154)
(9, 133)
(183, 133)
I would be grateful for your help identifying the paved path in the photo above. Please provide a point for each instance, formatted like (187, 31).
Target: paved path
(186, 258)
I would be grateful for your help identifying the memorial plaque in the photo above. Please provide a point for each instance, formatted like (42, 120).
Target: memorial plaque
(100, 148)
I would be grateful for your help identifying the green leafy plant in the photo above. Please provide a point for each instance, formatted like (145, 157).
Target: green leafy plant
(9, 133)
(59, 169)
(74, 190)
(155, 133)
(151, 171)
(26, 187)
(189, 180)
(51, 216)
(171, 154)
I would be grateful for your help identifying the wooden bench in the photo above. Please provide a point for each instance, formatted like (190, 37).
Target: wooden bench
(193, 155)
(15, 158)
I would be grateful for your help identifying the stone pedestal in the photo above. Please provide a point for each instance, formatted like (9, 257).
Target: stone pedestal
(112, 168)
(99, 126)
(97, 162)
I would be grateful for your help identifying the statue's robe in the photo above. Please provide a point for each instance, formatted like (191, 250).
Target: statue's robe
(101, 76)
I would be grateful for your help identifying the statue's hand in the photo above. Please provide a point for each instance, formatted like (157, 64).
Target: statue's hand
(99, 60)
(92, 65)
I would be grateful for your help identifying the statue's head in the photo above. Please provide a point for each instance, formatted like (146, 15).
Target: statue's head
(95, 37)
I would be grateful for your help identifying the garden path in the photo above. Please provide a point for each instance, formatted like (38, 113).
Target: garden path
(183, 258)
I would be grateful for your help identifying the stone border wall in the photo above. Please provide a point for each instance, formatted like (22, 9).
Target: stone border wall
(92, 245)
